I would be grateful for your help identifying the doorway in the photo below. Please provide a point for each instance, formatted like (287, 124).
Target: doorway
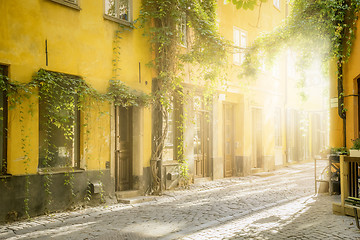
(257, 138)
(123, 148)
(228, 139)
(201, 144)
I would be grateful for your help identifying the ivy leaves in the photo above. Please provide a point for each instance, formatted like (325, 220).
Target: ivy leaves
(123, 96)
(246, 4)
(323, 27)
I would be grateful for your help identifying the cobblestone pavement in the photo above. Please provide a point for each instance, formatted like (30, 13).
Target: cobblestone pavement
(276, 205)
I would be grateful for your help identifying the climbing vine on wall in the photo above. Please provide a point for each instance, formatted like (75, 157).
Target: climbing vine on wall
(180, 33)
(324, 29)
(317, 28)
(60, 97)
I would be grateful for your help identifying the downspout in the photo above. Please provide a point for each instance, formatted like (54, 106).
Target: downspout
(341, 109)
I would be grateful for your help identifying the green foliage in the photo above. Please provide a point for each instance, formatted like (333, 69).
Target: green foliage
(60, 94)
(123, 96)
(324, 27)
(162, 21)
(246, 4)
(339, 151)
(316, 28)
(356, 144)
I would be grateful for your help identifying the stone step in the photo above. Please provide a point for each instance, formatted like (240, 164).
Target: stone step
(133, 200)
(127, 194)
(256, 170)
(202, 180)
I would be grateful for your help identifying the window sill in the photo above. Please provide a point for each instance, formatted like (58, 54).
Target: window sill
(277, 8)
(45, 171)
(117, 20)
(5, 176)
(67, 4)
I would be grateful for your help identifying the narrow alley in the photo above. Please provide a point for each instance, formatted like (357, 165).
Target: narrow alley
(273, 205)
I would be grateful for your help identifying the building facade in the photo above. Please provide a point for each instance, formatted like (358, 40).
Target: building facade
(341, 136)
(62, 147)
(109, 149)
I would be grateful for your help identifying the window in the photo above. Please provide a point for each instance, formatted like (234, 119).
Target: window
(278, 129)
(68, 3)
(290, 64)
(240, 39)
(119, 10)
(168, 153)
(277, 4)
(183, 29)
(59, 123)
(3, 120)
(276, 69)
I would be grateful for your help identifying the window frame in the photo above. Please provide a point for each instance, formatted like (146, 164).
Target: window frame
(240, 52)
(68, 3)
(276, 4)
(4, 69)
(75, 159)
(170, 140)
(278, 127)
(127, 22)
(183, 30)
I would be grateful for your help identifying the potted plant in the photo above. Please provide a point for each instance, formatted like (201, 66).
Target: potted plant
(337, 151)
(324, 153)
(355, 149)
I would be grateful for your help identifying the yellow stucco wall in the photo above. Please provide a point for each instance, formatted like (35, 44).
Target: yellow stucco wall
(245, 93)
(351, 73)
(80, 42)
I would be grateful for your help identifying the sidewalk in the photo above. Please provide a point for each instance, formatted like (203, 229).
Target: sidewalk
(276, 205)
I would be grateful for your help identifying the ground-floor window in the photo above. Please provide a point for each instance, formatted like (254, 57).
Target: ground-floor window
(59, 123)
(169, 142)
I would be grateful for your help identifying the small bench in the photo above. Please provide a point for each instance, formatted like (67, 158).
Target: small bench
(354, 203)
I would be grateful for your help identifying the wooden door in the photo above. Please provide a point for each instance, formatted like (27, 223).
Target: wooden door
(123, 147)
(228, 139)
(257, 138)
(201, 144)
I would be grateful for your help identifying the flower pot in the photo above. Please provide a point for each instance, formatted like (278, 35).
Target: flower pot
(354, 153)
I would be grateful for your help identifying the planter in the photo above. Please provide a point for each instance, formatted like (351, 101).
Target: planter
(354, 153)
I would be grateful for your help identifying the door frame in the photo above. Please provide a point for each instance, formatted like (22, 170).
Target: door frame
(255, 160)
(232, 106)
(205, 144)
(129, 149)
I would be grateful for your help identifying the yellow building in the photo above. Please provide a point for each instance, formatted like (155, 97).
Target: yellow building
(106, 145)
(252, 125)
(74, 125)
(244, 129)
(340, 136)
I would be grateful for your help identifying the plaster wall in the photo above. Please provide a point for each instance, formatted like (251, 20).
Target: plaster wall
(79, 42)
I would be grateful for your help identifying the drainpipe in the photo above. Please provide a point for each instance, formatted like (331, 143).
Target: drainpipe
(341, 111)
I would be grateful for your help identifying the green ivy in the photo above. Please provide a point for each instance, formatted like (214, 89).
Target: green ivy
(162, 21)
(313, 28)
(71, 92)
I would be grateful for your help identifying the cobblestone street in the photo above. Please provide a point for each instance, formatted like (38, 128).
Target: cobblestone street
(275, 205)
